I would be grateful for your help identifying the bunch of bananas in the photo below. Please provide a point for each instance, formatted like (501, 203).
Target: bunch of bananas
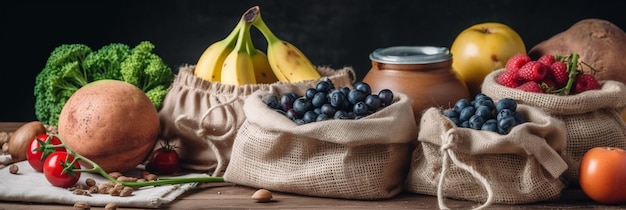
(234, 60)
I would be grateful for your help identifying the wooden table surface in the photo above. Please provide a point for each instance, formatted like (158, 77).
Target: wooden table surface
(229, 196)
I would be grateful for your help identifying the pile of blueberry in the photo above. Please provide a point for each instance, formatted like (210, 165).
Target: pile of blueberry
(324, 102)
(483, 114)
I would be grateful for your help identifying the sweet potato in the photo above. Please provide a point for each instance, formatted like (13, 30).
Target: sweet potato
(600, 43)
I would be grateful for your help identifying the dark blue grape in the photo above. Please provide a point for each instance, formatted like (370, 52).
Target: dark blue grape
(324, 86)
(506, 103)
(363, 87)
(386, 96)
(466, 113)
(373, 102)
(484, 112)
(286, 101)
(302, 105)
(319, 99)
(328, 110)
(506, 124)
(490, 125)
(461, 103)
(476, 122)
(360, 109)
(309, 117)
(356, 96)
(292, 114)
(272, 101)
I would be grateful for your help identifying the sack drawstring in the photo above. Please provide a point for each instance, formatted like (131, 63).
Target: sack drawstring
(183, 122)
(448, 153)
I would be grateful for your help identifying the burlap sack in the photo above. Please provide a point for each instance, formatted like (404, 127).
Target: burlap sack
(592, 118)
(202, 118)
(351, 159)
(523, 166)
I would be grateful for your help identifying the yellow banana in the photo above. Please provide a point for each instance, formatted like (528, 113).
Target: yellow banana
(288, 63)
(209, 66)
(238, 68)
(262, 69)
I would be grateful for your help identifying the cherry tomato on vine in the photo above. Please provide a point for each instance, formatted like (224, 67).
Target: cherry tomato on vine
(164, 161)
(602, 175)
(39, 148)
(58, 169)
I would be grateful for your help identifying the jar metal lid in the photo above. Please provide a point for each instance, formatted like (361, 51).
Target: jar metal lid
(411, 54)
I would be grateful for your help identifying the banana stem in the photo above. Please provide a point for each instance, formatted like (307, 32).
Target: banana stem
(231, 39)
(253, 15)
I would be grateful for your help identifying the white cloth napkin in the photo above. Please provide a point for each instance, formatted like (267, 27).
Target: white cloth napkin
(31, 186)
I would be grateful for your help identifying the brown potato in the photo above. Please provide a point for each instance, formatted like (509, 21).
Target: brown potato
(21, 138)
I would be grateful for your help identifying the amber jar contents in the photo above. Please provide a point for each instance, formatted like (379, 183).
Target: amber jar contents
(424, 74)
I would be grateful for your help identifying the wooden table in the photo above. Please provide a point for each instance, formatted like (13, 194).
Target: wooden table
(229, 196)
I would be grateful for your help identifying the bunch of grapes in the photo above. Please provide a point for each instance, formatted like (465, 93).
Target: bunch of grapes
(324, 102)
(483, 114)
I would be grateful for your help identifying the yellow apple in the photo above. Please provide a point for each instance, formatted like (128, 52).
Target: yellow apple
(481, 49)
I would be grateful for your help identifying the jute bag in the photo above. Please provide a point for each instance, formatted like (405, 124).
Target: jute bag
(523, 166)
(351, 159)
(202, 118)
(592, 118)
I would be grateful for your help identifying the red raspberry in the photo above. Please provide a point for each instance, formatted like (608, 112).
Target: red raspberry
(585, 82)
(516, 62)
(547, 59)
(533, 71)
(558, 70)
(508, 79)
(550, 84)
(531, 86)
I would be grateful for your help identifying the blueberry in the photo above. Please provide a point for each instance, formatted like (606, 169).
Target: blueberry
(360, 109)
(321, 117)
(460, 104)
(451, 113)
(328, 110)
(299, 121)
(506, 103)
(309, 93)
(302, 105)
(465, 124)
(356, 96)
(456, 121)
(519, 118)
(292, 114)
(476, 122)
(319, 99)
(505, 113)
(286, 101)
(337, 99)
(340, 114)
(309, 117)
(386, 96)
(363, 87)
(373, 102)
(272, 101)
(506, 124)
(345, 90)
(490, 125)
(481, 96)
(484, 102)
(466, 113)
(317, 110)
(324, 86)
(484, 112)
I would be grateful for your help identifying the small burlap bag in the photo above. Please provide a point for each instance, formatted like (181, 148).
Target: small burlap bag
(592, 118)
(202, 118)
(352, 159)
(523, 166)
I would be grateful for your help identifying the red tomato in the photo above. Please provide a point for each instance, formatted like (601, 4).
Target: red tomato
(36, 153)
(58, 170)
(164, 161)
(602, 174)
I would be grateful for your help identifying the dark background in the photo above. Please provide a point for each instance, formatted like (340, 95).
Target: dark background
(331, 33)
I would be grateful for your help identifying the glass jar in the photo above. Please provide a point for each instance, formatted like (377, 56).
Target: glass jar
(423, 73)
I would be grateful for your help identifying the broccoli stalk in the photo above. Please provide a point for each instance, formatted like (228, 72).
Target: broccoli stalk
(71, 66)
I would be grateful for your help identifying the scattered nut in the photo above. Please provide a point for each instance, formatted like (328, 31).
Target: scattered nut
(93, 189)
(13, 169)
(126, 179)
(111, 206)
(90, 182)
(2, 166)
(4, 137)
(262, 195)
(127, 191)
(81, 206)
(114, 192)
(115, 175)
(5, 148)
(81, 192)
(150, 177)
(104, 188)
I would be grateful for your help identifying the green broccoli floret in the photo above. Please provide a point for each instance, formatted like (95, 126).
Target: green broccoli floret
(147, 71)
(71, 66)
